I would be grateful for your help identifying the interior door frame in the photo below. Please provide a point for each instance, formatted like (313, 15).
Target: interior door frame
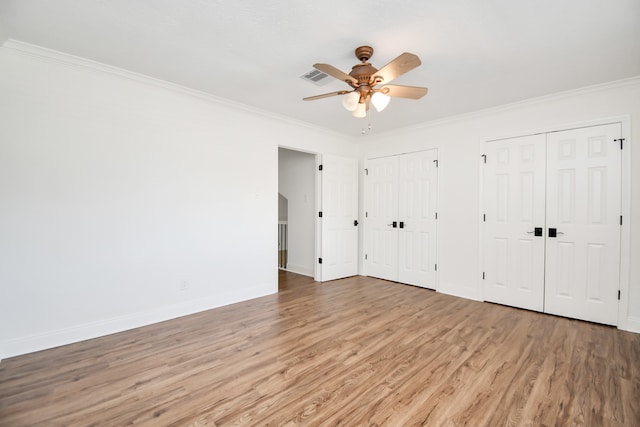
(624, 323)
(317, 200)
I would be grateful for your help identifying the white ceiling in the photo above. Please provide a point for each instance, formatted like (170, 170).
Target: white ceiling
(475, 54)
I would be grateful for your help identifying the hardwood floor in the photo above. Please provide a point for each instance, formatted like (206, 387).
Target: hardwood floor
(352, 352)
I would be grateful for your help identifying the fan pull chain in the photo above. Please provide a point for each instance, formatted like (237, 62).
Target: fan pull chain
(364, 132)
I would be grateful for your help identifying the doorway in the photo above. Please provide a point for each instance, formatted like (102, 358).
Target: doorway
(296, 211)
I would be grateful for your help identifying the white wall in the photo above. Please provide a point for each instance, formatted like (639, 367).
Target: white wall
(116, 191)
(296, 181)
(458, 141)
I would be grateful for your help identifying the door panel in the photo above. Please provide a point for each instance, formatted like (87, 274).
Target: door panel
(339, 251)
(418, 180)
(583, 205)
(382, 211)
(513, 199)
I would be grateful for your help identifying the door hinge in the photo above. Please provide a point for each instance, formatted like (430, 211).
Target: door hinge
(320, 214)
(484, 157)
(436, 215)
(621, 141)
(436, 267)
(366, 214)
(436, 162)
(620, 219)
(319, 167)
(366, 171)
(365, 257)
(618, 294)
(484, 217)
(483, 275)
(319, 260)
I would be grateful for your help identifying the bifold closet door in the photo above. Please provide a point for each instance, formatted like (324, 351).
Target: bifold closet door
(583, 216)
(417, 191)
(514, 222)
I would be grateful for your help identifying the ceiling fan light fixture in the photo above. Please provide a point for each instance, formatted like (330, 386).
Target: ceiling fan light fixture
(380, 101)
(350, 100)
(360, 110)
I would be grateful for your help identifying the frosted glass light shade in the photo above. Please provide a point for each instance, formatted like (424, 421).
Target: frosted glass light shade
(360, 111)
(380, 101)
(350, 101)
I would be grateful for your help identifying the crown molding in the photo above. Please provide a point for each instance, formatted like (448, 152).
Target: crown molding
(615, 84)
(68, 60)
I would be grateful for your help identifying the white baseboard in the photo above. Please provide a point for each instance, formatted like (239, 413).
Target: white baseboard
(55, 338)
(460, 291)
(300, 269)
(632, 324)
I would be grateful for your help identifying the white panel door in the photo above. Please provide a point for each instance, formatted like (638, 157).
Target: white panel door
(514, 206)
(583, 206)
(381, 221)
(339, 235)
(418, 185)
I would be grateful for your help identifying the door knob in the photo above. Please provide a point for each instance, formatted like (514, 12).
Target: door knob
(536, 231)
(554, 233)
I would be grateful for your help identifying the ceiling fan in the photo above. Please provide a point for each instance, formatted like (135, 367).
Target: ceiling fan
(370, 84)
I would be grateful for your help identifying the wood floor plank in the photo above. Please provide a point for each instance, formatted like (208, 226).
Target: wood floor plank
(357, 351)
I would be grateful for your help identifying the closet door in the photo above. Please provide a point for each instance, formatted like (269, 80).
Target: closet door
(418, 185)
(381, 215)
(583, 216)
(514, 209)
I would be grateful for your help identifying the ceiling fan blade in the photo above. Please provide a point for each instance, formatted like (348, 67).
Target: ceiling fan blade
(334, 72)
(411, 92)
(402, 64)
(325, 95)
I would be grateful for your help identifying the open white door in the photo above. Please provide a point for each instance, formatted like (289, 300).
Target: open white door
(338, 223)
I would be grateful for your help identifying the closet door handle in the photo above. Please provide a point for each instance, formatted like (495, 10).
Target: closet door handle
(394, 224)
(554, 232)
(536, 231)
(401, 224)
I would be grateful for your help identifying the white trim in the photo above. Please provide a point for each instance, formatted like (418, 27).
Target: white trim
(633, 325)
(624, 321)
(317, 269)
(479, 114)
(74, 334)
(461, 291)
(438, 218)
(480, 281)
(72, 61)
(300, 269)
